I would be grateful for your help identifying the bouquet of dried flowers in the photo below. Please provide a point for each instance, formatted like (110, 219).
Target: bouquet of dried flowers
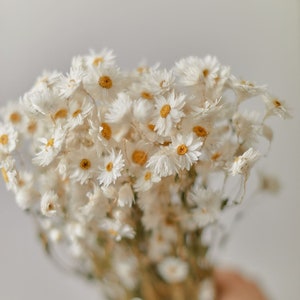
(124, 172)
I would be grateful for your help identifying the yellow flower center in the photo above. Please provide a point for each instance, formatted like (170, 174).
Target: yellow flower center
(215, 156)
(106, 131)
(146, 95)
(165, 110)
(105, 82)
(98, 60)
(276, 103)
(109, 166)
(50, 206)
(15, 117)
(147, 176)
(4, 139)
(139, 157)
(50, 142)
(4, 175)
(182, 149)
(151, 127)
(200, 131)
(85, 164)
(76, 113)
(60, 114)
(205, 72)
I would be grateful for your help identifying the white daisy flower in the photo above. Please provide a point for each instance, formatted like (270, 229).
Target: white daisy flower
(245, 89)
(50, 204)
(14, 114)
(194, 71)
(111, 168)
(173, 269)
(145, 181)
(104, 58)
(9, 173)
(70, 83)
(79, 111)
(104, 83)
(8, 138)
(186, 150)
(163, 163)
(83, 164)
(120, 110)
(242, 164)
(50, 147)
(168, 113)
(276, 107)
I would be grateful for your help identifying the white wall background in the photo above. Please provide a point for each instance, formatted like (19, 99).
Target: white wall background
(260, 39)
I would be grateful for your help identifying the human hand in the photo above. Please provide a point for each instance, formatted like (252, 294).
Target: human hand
(233, 286)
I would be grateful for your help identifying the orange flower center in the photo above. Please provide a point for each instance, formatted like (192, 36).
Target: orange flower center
(146, 95)
(105, 82)
(60, 114)
(15, 117)
(98, 60)
(50, 142)
(165, 110)
(139, 157)
(205, 72)
(109, 166)
(200, 131)
(85, 164)
(276, 103)
(215, 156)
(151, 127)
(182, 149)
(76, 113)
(106, 131)
(32, 126)
(4, 139)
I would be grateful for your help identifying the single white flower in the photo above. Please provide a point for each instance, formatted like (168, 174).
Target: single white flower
(9, 173)
(276, 107)
(111, 168)
(169, 112)
(104, 58)
(173, 269)
(8, 138)
(243, 163)
(186, 150)
(145, 181)
(50, 204)
(50, 147)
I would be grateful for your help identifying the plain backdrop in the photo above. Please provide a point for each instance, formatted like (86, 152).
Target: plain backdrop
(259, 39)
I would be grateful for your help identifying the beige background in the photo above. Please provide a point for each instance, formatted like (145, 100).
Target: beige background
(260, 39)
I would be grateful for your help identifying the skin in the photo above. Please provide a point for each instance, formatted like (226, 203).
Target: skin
(233, 286)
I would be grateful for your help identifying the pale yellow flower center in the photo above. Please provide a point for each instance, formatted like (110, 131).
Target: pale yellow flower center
(98, 60)
(182, 149)
(165, 110)
(109, 166)
(146, 95)
(15, 117)
(4, 174)
(139, 157)
(105, 82)
(60, 114)
(148, 176)
(85, 164)
(106, 131)
(4, 139)
(76, 113)
(50, 142)
(215, 156)
(200, 131)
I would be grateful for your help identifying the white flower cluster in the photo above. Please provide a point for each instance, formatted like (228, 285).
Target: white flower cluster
(125, 169)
